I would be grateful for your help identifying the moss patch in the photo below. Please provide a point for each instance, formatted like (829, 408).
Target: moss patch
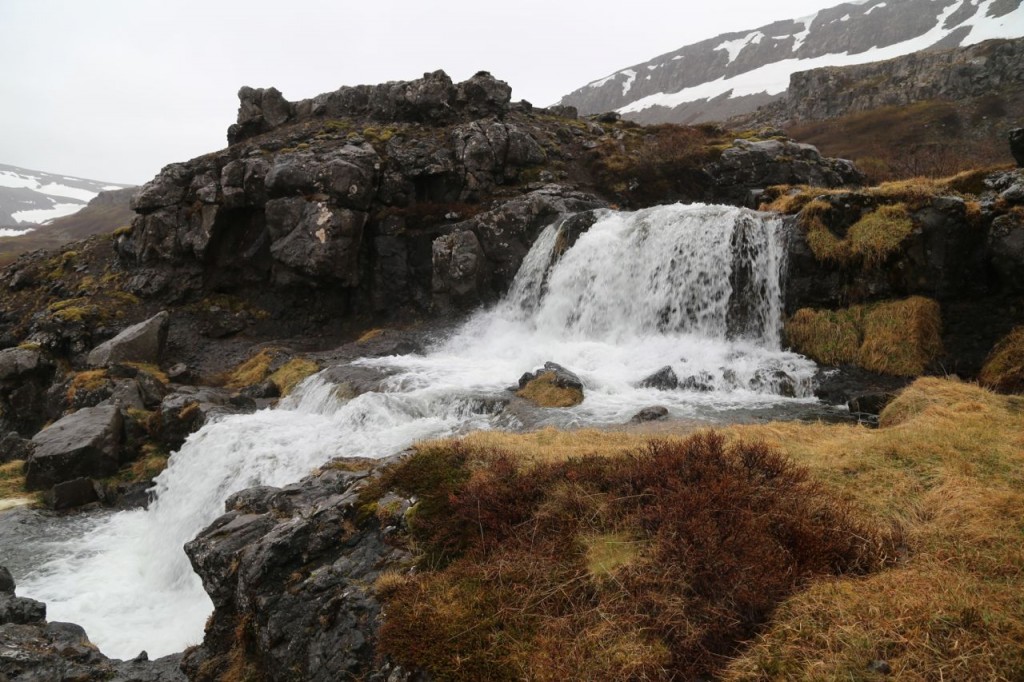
(869, 242)
(1004, 367)
(544, 392)
(900, 338)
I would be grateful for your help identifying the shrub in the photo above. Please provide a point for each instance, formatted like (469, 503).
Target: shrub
(654, 565)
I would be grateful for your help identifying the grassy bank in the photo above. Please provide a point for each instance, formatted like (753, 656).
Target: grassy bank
(779, 551)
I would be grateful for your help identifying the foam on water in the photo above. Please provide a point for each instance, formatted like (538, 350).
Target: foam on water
(692, 287)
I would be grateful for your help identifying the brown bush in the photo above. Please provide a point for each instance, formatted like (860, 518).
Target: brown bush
(717, 536)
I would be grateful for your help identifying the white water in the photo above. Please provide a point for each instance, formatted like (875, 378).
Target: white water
(637, 292)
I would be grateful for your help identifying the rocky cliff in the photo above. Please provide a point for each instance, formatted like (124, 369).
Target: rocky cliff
(991, 69)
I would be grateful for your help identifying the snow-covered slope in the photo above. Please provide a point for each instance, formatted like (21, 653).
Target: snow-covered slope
(735, 72)
(29, 198)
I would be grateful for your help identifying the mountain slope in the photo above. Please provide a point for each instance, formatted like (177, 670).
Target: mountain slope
(734, 73)
(29, 197)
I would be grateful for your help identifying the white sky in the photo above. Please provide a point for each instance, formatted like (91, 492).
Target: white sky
(113, 90)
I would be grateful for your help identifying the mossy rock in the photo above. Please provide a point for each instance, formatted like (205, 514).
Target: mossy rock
(545, 391)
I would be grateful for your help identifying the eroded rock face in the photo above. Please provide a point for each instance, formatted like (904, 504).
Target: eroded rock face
(296, 565)
(748, 166)
(25, 376)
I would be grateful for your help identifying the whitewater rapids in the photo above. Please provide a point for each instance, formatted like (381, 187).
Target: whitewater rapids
(693, 287)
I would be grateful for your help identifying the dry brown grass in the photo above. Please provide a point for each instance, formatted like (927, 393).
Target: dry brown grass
(868, 242)
(251, 372)
(290, 374)
(948, 467)
(650, 565)
(87, 381)
(1004, 367)
(901, 338)
(545, 392)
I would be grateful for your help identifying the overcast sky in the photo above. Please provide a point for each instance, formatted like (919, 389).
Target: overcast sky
(115, 89)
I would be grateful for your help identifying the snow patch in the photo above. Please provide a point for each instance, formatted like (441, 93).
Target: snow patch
(42, 215)
(630, 75)
(4, 232)
(801, 36)
(734, 47)
(845, 17)
(773, 79)
(871, 9)
(53, 189)
(14, 180)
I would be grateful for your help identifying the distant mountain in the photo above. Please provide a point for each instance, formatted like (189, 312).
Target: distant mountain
(734, 73)
(29, 198)
(107, 211)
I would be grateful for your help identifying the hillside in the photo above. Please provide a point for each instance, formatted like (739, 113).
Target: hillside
(734, 73)
(104, 213)
(29, 198)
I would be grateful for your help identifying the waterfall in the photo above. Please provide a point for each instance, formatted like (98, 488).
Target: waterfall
(691, 287)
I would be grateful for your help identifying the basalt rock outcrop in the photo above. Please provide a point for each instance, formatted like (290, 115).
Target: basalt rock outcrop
(291, 572)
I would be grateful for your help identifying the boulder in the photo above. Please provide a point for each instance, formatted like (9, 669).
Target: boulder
(70, 494)
(701, 381)
(551, 386)
(85, 443)
(187, 408)
(17, 362)
(20, 610)
(351, 381)
(142, 342)
(1006, 244)
(664, 379)
(6, 581)
(650, 414)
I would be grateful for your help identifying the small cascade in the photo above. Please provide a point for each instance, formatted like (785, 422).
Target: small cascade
(694, 288)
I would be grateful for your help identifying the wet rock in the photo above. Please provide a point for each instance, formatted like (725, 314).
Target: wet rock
(45, 652)
(664, 379)
(870, 403)
(842, 385)
(702, 381)
(6, 581)
(650, 414)
(292, 561)
(188, 408)
(351, 381)
(85, 443)
(70, 494)
(142, 342)
(20, 610)
(768, 380)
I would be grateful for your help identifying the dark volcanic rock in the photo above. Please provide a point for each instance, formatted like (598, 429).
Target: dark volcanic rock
(142, 342)
(25, 376)
(86, 443)
(431, 99)
(748, 166)
(297, 566)
(650, 414)
(664, 379)
(1017, 145)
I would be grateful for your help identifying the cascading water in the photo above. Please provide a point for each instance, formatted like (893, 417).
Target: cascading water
(692, 287)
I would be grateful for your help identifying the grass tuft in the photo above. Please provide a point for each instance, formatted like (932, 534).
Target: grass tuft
(251, 372)
(1004, 368)
(292, 373)
(901, 338)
